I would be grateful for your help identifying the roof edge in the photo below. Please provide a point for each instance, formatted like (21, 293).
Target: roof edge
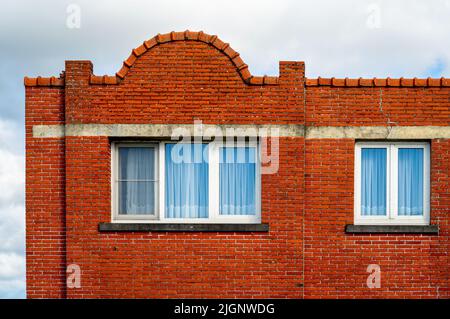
(44, 81)
(187, 35)
(240, 66)
(375, 82)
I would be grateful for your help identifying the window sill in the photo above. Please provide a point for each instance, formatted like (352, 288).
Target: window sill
(392, 229)
(148, 227)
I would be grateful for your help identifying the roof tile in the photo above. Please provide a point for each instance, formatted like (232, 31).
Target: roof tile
(245, 73)
(406, 82)
(379, 82)
(150, 43)
(140, 50)
(109, 79)
(420, 82)
(257, 80)
(402, 82)
(123, 71)
(96, 79)
(270, 80)
(131, 59)
(445, 81)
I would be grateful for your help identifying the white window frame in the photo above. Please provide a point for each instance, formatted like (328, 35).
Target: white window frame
(162, 198)
(214, 202)
(213, 188)
(392, 217)
(115, 182)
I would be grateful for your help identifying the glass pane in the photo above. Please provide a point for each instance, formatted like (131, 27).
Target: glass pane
(237, 181)
(136, 180)
(137, 163)
(373, 181)
(186, 180)
(136, 198)
(410, 181)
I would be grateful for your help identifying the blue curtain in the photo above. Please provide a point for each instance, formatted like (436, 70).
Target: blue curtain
(186, 180)
(136, 180)
(373, 181)
(237, 180)
(410, 181)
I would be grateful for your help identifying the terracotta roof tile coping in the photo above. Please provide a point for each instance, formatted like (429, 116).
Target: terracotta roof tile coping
(374, 82)
(241, 67)
(40, 81)
(200, 36)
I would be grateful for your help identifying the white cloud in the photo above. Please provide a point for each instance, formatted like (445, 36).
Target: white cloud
(12, 288)
(10, 133)
(12, 227)
(11, 265)
(11, 174)
(12, 214)
(332, 37)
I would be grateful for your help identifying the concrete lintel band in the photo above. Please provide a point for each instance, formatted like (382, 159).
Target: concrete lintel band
(378, 132)
(287, 130)
(166, 130)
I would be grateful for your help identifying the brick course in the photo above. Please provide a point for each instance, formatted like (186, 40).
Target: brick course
(180, 77)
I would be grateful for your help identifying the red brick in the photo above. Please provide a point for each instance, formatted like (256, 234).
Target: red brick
(307, 203)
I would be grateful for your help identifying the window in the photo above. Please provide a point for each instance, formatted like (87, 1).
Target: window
(186, 181)
(237, 174)
(172, 182)
(392, 183)
(136, 181)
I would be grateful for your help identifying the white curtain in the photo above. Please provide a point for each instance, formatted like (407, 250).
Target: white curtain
(186, 180)
(237, 180)
(373, 181)
(410, 181)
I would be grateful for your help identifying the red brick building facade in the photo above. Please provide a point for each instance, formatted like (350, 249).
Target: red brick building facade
(306, 244)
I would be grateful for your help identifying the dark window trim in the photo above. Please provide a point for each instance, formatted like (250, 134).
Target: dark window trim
(392, 229)
(160, 227)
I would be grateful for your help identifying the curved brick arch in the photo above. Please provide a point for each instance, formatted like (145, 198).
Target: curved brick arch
(213, 40)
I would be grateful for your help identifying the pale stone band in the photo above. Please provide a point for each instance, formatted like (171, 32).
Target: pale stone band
(207, 130)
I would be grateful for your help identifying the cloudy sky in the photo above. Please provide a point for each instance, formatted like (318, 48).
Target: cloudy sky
(353, 38)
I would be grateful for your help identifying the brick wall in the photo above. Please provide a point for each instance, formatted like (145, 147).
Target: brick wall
(373, 106)
(180, 77)
(45, 196)
(336, 262)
